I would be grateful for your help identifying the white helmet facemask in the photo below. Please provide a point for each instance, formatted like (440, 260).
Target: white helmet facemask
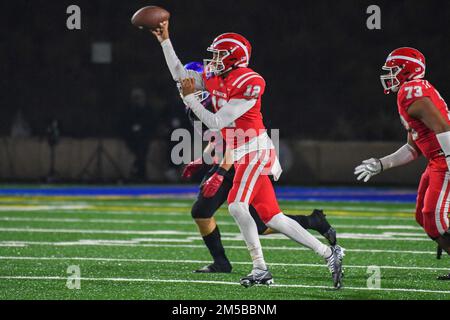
(389, 80)
(215, 65)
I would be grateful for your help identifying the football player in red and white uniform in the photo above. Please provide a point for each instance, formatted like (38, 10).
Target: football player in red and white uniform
(425, 116)
(236, 92)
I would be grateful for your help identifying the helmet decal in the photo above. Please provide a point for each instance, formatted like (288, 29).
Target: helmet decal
(236, 42)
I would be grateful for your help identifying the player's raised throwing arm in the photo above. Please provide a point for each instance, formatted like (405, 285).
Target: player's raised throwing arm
(175, 66)
(371, 167)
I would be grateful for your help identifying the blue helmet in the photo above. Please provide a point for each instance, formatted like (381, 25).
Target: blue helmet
(201, 95)
(194, 66)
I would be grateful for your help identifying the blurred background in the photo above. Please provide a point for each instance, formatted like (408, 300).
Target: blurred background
(99, 105)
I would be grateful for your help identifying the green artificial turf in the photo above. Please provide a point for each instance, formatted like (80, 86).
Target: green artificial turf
(147, 248)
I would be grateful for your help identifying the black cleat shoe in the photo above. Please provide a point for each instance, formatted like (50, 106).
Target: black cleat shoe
(334, 263)
(324, 227)
(444, 278)
(215, 268)
(257, 277)
(439, 252)
(330, 235)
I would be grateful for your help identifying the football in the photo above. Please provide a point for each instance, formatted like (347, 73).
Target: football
(150, 17)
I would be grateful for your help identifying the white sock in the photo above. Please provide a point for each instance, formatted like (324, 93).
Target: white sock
(296, 232)
(249, 231)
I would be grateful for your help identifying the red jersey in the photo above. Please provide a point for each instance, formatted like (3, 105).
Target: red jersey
(424, 137)
(240, 83)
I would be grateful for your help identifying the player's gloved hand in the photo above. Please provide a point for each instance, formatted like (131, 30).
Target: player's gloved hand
(192, 168)
(368, 169)
(212, 185)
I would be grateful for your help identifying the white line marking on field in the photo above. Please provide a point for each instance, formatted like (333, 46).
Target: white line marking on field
(189, 222)
(91, 210)
(371, 218)
(94, 231)
(185, 281)
(135, 243)
(113, 221)
(230, 236)
(100, 212)
(43, 208)
(367, 208)
(311, 265)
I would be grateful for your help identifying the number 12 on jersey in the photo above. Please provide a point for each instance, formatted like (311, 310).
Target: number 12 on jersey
(252, 91)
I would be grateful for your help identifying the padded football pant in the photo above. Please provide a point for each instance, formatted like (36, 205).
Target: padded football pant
(433, 200)
(205, 208)
(252, 186)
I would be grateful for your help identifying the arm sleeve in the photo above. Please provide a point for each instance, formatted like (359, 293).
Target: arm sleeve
(176, 67)
(231, 111)
(402, 156)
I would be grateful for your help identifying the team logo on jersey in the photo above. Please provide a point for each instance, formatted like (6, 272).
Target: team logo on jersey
(220, 94)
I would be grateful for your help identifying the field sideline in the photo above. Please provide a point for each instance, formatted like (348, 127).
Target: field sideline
(145, 247)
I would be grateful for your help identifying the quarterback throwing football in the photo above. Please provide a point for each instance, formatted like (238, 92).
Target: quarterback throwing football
(236, 93)
(214, 190)
(425, 116)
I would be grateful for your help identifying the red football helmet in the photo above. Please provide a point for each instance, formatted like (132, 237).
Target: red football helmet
(403, 64)
(230, 50)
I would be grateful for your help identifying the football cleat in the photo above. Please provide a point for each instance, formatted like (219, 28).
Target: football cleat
(257, 277)
(215, 268)
(444, 278)
(330, 235)
(324, 227)
(334, 263)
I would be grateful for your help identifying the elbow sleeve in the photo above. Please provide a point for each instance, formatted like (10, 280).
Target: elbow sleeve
(402, 156)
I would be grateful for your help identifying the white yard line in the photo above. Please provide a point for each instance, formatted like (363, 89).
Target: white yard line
(100, 212)
(189, 222)
(113, 221)
(184, 281)
(139, 243)
(43, 207)
(309, 265)
(229, 236)
(348, 208)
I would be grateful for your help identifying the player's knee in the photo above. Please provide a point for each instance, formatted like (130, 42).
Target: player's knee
(262, 228)
(237, 209)
(200, 211)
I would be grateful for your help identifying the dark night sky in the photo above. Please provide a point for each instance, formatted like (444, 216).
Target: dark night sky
(320, 62)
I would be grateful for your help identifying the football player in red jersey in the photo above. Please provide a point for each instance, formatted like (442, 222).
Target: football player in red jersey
(236, 92)
(214, 192)
(425, 116)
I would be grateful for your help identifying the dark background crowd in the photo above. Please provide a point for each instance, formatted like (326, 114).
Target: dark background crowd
(319, 59)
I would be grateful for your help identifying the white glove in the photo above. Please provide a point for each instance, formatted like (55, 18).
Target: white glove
(368, 169)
